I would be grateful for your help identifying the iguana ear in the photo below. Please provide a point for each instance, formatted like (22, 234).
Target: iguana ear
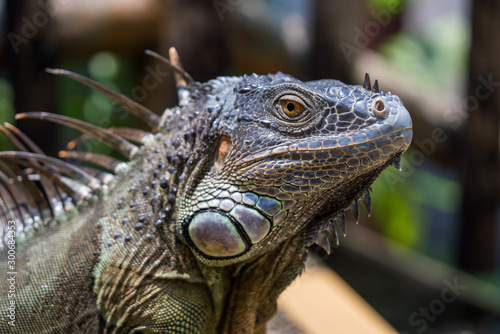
(182, 78)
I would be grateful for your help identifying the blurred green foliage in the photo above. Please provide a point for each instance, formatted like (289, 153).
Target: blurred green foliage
(406, 204)
(383, 4)
(6, 110)
(75, 100)
(436, 55)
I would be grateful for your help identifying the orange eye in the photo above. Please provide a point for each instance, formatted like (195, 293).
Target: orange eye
(291, 108)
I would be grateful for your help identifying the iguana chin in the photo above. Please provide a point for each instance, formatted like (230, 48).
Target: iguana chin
(208, 218)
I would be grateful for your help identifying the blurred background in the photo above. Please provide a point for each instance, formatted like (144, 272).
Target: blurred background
(434, 233)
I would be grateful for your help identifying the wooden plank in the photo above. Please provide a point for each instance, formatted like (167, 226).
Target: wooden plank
(320, 302)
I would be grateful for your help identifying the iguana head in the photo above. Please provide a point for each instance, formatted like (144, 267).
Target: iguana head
(282, 155)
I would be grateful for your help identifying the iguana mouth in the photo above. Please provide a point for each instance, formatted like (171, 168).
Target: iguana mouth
(326, 145)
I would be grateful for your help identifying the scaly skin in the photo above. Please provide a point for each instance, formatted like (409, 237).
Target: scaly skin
(212, 218)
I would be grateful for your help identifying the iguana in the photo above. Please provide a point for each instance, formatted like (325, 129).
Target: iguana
(205, 220)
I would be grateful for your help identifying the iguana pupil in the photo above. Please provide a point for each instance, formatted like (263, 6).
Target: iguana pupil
(292, 108)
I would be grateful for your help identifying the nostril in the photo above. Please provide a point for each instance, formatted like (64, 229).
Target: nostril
(380, 108)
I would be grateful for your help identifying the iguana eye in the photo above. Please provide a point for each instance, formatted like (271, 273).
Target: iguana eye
(291, 106)
(294, 110)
